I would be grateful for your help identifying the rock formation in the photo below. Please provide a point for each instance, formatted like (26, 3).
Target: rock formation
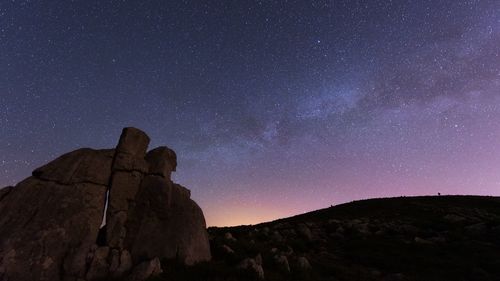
(49, 223)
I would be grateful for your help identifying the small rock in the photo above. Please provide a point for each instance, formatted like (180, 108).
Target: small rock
(251, 265)
(145, 270)
(395, 277)
(227, 250)
(376, 273)
(337, 236)
(229, 236)
(334, 221)
(476, 229)
(304, 231)
(340, 230)
(364, 228)
(303, 264)
(419, 240)
(437, 239)
(408, 229)
(288, 251)
(289, 232)
(276, 236)
(454, 218)
(258, 259)
(282, 263)
(355, 221)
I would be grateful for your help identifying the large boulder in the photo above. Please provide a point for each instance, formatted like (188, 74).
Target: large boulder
(51, 221)
(48, 224)
(164, 212)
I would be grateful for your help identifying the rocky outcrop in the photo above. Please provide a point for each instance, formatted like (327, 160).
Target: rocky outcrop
(50, 221)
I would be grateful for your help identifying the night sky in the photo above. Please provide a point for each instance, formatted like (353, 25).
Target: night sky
(274, 107)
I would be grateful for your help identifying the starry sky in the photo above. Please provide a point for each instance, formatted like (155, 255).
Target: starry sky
(274, 108)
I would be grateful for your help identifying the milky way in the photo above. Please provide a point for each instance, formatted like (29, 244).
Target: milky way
(274, 107)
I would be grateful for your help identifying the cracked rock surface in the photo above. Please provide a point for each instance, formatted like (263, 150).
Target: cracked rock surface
(49, 222)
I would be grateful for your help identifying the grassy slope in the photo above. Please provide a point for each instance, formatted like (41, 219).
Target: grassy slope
(404, 238)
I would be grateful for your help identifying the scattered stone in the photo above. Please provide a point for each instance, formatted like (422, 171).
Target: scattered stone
(355, 221)
(276, 236)
(419, 240)
(288, 251)
(395, 277)
(437, 239)
(409, 229)
(282, 262)
(228, 236)
(227, 250)
(340, 230)
(258, 259)
(302, 264)
(334, 222)
(476, 229)
(337, 236)
(376, 273)
(265, 230)
(454, 218)
(145, 270)
(289, 232)
(304, 231)
(253, 266)
(362, 228)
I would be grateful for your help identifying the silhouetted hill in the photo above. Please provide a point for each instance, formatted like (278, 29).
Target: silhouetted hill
(405, 238)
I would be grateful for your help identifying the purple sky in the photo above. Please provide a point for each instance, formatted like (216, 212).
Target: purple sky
(274, 107)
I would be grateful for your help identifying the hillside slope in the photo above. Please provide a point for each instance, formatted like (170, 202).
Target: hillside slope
(405, 238)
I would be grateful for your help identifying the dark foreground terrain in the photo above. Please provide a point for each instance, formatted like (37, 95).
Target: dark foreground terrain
(406, 238)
